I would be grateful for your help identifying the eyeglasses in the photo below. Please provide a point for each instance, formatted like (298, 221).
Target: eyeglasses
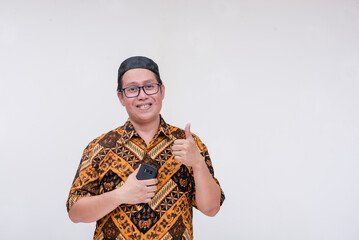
(149, 89)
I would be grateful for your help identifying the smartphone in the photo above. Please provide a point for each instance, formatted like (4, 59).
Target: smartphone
(146, 171)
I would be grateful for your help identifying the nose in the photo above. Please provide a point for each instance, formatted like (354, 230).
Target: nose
(142, 94)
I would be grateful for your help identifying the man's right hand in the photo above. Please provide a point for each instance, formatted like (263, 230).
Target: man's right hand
(135, 191)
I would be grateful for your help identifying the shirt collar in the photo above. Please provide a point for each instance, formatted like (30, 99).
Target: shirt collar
(164, 128)
(129, 131)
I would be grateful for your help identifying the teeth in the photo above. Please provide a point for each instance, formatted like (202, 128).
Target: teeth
(144, 106)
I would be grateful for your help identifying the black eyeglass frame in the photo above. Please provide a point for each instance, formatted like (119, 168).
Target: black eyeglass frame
(143, 89)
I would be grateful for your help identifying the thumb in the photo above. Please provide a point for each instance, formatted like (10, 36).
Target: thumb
(136, 170)
(187, 130)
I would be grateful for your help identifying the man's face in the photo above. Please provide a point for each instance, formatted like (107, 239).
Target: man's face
(143, 108)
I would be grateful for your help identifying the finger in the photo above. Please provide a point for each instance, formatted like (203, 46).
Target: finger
(177, 147)
(150, 182)
(176, 156)
(150, 195)
(151, 188)
(176, 153)
(136, 171)
(179, 142)
(187, 130)
(179, 158)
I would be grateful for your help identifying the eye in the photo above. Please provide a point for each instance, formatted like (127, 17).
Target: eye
(132, 89)
(149, 86)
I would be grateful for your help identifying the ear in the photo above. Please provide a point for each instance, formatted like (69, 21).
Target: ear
(163, 90)
(121, 98)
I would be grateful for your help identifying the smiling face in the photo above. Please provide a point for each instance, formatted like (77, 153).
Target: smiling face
(143, 109)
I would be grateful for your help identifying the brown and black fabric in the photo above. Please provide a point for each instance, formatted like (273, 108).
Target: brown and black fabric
(111, 158)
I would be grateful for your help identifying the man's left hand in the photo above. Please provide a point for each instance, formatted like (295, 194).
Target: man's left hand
(186, 151)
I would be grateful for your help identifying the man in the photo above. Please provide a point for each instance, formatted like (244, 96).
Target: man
(105, 188)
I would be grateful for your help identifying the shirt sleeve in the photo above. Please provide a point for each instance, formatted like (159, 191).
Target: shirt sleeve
(204, 152)
(86, 181)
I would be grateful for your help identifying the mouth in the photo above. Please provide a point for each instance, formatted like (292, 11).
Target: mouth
(144, 106)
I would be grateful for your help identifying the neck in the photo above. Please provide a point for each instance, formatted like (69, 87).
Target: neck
(147, 130)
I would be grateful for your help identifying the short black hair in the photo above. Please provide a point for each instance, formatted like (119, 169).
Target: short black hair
(137, 62)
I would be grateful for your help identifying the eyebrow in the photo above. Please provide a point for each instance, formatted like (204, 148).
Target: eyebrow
(143, 83)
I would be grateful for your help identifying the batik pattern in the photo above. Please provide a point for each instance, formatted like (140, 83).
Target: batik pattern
(110, 159)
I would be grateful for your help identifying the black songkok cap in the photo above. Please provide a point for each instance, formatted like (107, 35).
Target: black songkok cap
(137, 62)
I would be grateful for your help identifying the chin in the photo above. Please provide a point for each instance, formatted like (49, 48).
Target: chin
(145, 119)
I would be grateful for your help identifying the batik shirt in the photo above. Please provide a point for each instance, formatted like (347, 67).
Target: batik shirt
(111, 158)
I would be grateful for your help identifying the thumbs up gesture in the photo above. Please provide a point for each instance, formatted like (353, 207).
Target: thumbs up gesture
(186, 151)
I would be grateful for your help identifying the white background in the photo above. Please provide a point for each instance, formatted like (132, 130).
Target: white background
(270, 86)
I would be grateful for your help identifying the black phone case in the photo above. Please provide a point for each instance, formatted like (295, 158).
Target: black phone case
(146, 171)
